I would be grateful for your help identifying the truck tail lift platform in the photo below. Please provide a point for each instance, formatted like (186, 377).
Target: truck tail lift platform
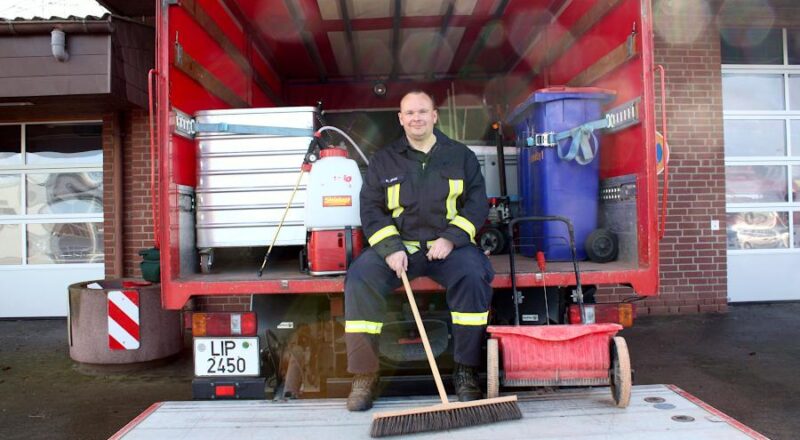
(657, 412)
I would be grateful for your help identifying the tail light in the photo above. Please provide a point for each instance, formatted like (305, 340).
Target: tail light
(224, 391)
(224, 324)
(623, 313)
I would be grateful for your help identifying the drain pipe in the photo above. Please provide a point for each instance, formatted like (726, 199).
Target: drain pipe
(117, 189)
(58, 43)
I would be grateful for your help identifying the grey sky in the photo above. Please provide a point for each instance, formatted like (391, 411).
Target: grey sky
(49, 8)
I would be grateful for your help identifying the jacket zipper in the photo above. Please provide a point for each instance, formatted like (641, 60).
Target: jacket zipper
(424, 208)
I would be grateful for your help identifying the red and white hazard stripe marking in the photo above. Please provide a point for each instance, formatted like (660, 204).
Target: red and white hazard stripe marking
(123, 320)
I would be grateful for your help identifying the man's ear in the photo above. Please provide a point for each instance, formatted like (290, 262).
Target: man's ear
(399, 119)
(435, 116)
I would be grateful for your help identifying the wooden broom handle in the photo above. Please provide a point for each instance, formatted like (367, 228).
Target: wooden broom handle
(283, 217)
(286, 210)
(421, 328)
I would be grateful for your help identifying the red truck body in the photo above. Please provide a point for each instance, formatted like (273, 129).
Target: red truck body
(218, 54)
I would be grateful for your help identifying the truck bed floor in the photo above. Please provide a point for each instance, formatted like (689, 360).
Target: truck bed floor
(289, 269)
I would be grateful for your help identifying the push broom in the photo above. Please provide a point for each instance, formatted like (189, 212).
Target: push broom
(446, 415)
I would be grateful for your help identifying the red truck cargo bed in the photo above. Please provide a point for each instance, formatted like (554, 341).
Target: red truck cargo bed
(256, 53)
(284, 277)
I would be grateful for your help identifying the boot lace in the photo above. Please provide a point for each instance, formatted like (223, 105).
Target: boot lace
(363, 381)
(465, 376)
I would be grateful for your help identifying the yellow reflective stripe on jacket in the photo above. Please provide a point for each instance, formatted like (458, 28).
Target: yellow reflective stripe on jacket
(460, 318)
(393, 200)
(466, 225)
(456, 189)
(382, 233)
(373, 328)
(393, 196)
(413, 246)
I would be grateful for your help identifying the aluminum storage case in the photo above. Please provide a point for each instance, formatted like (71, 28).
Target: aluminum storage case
(487, 158)
(245, 181)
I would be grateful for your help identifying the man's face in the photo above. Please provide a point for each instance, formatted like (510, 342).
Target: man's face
(417, 116)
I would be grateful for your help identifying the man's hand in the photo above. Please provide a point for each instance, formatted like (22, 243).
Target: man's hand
(398, 262)
(440, 250)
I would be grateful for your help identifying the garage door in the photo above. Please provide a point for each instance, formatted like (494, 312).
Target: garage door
(51, 214)
(761, 103)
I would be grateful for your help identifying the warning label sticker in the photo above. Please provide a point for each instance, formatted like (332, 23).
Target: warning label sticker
(328, 201)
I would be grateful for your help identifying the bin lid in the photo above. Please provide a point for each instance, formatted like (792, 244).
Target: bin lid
(555, 93)
(151, 254)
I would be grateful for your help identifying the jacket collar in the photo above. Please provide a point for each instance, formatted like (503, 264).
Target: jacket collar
(402, 144)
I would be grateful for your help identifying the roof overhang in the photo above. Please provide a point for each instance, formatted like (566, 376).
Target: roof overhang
(72, 25)
(140, 8)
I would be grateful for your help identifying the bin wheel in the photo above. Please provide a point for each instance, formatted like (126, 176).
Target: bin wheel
(303, 257)
(492, 369)
(621, 379)
(602, 246)
(492, 240)
(206, 260)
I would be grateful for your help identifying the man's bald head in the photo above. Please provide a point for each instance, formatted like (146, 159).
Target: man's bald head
(418, 117)
(420, 93)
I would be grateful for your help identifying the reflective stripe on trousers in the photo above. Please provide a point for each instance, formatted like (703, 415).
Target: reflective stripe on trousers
(466, 274)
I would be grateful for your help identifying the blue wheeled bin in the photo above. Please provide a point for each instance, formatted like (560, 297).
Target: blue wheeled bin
(558, 166)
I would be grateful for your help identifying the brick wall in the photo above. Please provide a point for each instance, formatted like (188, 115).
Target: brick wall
(234, 303)
(109, 231)
(137, 217)
(693, 257)
(137, 223)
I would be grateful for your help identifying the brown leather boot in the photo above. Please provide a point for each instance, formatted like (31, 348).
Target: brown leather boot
(363, 392)
(465, 380)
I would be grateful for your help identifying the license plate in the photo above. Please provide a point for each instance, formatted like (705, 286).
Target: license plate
(226, 357)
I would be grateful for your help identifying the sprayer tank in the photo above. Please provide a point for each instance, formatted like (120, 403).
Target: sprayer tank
(334, 184)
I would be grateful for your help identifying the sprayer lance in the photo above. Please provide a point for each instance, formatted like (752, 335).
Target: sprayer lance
(312, 154)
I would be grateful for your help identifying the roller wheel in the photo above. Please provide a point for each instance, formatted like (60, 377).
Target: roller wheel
(303, 257)
(621, 379)
(206, 261)
(492, 240)
(602, 246)
(492, 369)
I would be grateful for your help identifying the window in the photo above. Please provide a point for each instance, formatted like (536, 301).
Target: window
(755, 137)
(65, 193)
(51, 193)
(63, 144)
(10, 144)
(10, 202)
(755, 184)
(794, 92)
(751, 46)
(793, 45)
(758, 230)
(751, 91)
(761, 103)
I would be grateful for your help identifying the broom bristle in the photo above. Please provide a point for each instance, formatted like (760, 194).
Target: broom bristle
(444, 417)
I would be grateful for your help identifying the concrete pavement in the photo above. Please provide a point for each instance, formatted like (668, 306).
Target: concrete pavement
(745, 363)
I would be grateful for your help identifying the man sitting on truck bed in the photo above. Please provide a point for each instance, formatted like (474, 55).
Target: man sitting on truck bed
(421, 203)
